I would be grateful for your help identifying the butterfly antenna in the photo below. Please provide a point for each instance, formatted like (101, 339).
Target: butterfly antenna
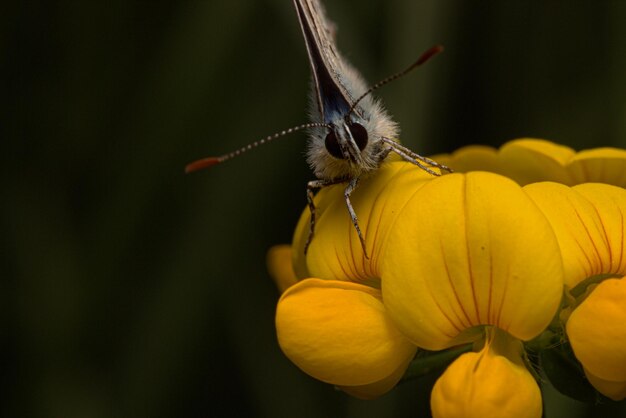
(421, 60)
(211, 161)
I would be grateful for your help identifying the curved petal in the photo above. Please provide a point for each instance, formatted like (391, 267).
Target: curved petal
(610, 203)
(589, 222)
(339, 332)
(470, 250)
(601, 165)
(472, 158)
(597, 331)
(486, 384)
(280, 267)
(335, 251)
(531, 160)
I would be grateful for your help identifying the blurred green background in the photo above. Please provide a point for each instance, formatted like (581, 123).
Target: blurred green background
(132, 290)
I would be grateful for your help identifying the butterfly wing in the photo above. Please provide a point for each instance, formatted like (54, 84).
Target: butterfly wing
(333, 94)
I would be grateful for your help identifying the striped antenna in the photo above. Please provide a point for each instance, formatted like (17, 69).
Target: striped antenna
(421, 60)
(211, 161)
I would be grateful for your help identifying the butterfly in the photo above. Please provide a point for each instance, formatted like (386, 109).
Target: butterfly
(350, 134)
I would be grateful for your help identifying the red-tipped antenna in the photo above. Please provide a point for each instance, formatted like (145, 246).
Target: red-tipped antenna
(211, 161)
(421, 60)
(202, 164)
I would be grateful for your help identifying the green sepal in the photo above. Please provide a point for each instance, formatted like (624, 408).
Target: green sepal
(566, 374)
(426, 362)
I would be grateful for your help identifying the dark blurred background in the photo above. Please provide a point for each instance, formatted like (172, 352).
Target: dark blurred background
(131, 290)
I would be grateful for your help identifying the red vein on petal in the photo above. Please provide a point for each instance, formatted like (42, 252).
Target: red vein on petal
(343, 270)
(458, 330)
(350, 255)
(606, 239)
(376, 249)
(490, 286)
(591, 241)
(458, 301)
(470, 271)
(503, 297)
(442, 310)
(588, 268)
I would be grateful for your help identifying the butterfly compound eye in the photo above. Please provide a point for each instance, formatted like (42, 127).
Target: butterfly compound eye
(359, 134)
(332, 146)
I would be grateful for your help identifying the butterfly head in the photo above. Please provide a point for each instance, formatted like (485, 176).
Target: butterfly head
(350, 144)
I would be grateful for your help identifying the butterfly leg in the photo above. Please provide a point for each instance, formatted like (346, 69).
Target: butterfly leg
(347, 193)
(384, 153)
(310, 195)
(422, 162)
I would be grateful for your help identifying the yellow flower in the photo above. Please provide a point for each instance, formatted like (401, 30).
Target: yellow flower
(493, 383)
(448, 256)
(463, 258)
(339, 333)
(530, 160)
(481, 254)
(332, 323)
(597, 332)
(467, 251)
(589, 221)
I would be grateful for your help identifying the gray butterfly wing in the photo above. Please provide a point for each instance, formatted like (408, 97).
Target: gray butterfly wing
(334, 92)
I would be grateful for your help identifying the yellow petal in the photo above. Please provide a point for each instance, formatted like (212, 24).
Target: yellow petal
(589, 224)
(610, 204)
(280, 267)
(528, 160)
(601, 165)
(335, 251)
(339, 332)
(473, 158)
(486, 384)
(612, 390)
(470, 250)
(597, 331)
(532, 160)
